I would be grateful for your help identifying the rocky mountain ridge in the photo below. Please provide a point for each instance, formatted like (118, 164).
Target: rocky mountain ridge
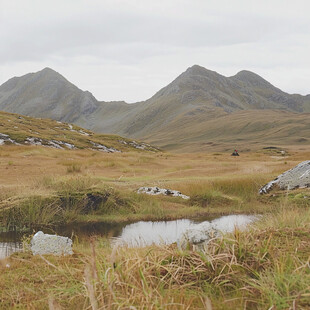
(178, 112)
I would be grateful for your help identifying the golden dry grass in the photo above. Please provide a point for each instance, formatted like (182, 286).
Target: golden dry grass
(266, 268)
(22, 165)
(217, 182)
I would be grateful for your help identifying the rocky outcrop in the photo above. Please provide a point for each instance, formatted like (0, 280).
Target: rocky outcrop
(161, 191)
(80, 131)
(51, 143)
(140, 145)
(103, 148)
(50, 244)
(4, 139)
(297, 177)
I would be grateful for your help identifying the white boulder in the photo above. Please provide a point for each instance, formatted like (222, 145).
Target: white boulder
(50, 244)
(161, 191)
(297, 177)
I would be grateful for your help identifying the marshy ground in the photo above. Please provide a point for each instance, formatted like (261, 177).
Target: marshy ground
(266, 267)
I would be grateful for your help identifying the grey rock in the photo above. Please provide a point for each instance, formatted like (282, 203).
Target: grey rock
(103, 148)
(55, 144)
(50, 244)
(33, 141)
(6, 139)
(52, 143)
(161, 191)
(140, 145)
(198, 236)
(60, 144)
(82, 132)
(297, 177)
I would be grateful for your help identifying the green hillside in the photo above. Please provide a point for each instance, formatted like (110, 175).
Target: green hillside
(16, 129)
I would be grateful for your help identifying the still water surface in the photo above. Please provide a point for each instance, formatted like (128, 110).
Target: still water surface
(134, 234)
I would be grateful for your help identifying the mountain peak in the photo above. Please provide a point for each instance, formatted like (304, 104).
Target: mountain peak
(199, 70)
(48, 71)
(247, 74)
(49, 75)
(195, 68)
(252, 78)
(46, 93)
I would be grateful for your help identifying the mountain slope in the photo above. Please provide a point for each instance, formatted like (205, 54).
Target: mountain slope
(24, 130)
(244, 130)
(188, 109)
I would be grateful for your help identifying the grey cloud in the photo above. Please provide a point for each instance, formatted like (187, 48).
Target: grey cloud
(137, 39)
(37, 38)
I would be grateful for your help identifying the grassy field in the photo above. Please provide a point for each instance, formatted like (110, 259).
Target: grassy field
(42, 186)
(264, 268)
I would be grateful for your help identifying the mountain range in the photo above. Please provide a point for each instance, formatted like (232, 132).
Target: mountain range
(199, 110)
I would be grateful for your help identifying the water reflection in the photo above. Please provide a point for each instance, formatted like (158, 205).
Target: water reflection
(147, 233)
(8, 248)
(134, 234)
(89, 229)
(9, 243)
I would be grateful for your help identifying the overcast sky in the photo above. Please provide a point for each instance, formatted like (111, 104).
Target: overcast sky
(128, 50)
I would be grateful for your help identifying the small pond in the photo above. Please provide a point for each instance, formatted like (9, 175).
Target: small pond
(10, 242)
(132, 234)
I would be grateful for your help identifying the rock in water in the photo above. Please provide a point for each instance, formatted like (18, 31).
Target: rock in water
(297, 177)
(50, 244)
(197, 237)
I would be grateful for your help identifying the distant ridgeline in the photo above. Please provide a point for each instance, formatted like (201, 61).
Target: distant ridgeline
(199, 110)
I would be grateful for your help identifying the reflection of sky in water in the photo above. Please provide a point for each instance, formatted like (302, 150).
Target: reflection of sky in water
(229, 222)
(146, 233)
(7, 248)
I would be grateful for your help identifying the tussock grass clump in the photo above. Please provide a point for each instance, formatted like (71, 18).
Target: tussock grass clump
(243, 187)
(74, 168)
(300, 198)
(35, 211)
(211, 198)
(70, 184)
(63, 208)
(227, 195)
